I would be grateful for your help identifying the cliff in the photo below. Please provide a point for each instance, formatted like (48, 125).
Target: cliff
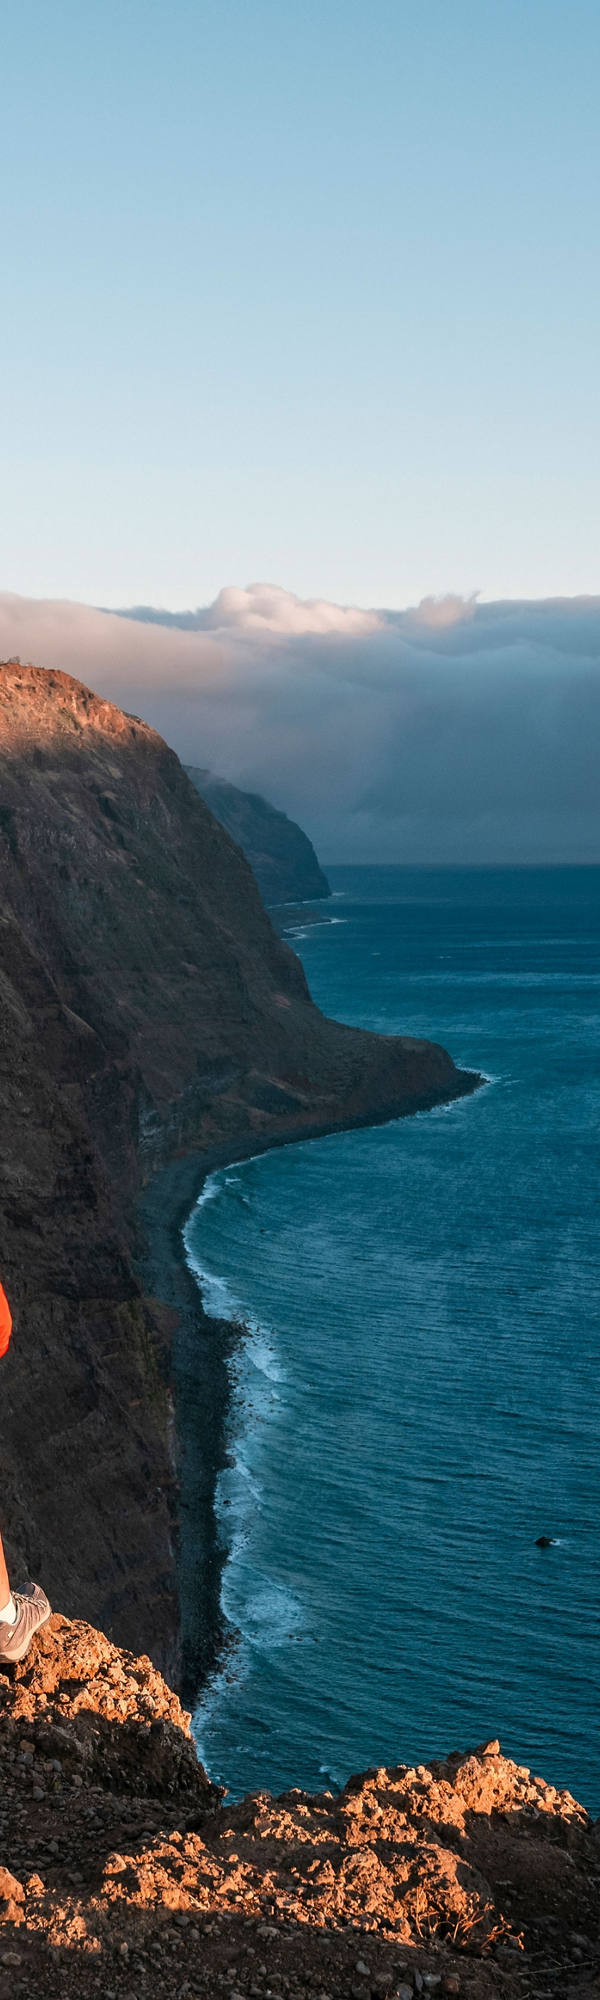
(148, 1014)
(281, 856)
(125, 1872)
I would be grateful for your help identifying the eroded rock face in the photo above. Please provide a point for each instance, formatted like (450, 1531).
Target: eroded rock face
(147, 1011)
(126, 1871)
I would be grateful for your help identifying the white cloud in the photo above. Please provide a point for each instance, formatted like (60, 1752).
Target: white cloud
(269, 610)
(452, 731)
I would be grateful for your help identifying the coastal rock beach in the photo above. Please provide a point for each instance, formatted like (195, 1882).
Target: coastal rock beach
(125, 1872)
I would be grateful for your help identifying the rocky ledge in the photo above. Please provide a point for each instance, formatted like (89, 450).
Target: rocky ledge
(126, 1873)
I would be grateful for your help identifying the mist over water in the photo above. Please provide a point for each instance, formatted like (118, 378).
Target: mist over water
(417, 1397)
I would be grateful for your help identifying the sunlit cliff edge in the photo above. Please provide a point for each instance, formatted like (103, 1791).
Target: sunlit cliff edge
(124, 1871)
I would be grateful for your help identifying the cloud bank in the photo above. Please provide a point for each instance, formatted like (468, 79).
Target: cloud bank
(452, 732)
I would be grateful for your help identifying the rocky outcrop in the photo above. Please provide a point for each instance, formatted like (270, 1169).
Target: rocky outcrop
(125, 1872)
(147, 1013)
(281, 856)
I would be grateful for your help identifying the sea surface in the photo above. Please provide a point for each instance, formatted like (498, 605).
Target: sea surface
(416, 1398)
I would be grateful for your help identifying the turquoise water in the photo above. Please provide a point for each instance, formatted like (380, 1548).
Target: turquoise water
(417, 1397)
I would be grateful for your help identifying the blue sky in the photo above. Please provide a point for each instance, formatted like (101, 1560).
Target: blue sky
(300, 292)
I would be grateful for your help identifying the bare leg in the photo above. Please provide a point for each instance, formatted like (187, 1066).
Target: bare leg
(4, 1583)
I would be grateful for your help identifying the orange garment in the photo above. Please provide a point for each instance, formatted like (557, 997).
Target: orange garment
(5, 1321)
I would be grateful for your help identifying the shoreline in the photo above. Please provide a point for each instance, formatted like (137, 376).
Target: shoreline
(198, 1372)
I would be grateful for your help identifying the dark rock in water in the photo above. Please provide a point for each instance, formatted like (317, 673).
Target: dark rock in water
(281, 856)
(546, 1542)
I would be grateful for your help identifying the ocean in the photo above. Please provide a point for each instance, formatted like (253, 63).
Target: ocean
(416, 1397)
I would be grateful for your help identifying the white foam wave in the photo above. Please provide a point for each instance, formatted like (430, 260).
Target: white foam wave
(209, 1192)
(522, 981)
(262, 1611)
(455, 1106)
(337, 1778)
(259, 1353)
(217, 1299)
(270, 1612)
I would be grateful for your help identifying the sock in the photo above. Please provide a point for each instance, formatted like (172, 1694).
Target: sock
(8, 1612)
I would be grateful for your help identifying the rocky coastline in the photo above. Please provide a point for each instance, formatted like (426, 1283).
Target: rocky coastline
(200, 1348)
(152, 1027)
(151, 1023)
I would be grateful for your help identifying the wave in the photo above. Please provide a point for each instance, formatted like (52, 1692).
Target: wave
(545, 982)
(261, 1612)
(337, 1778)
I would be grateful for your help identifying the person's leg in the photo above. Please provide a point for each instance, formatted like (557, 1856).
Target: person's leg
(4, 1583)
(8, 1608)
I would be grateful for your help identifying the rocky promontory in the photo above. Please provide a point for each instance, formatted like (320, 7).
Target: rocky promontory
(150, 1020)
(125, 1873)
(281, 855)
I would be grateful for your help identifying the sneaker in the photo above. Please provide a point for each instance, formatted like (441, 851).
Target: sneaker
(33, 1610)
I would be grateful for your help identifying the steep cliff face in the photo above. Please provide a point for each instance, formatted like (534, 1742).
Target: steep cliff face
(126, 1873)
(281, 856)
(147, 1010)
